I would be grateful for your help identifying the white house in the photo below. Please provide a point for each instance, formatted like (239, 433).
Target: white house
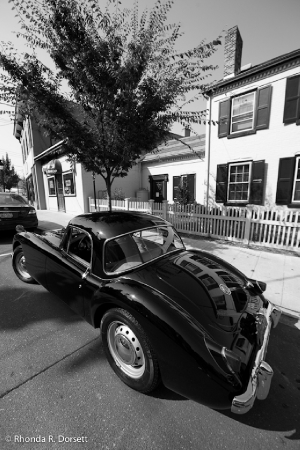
(158, 175)
(254, 155)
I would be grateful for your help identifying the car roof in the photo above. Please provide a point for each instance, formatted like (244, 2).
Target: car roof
(110, 224)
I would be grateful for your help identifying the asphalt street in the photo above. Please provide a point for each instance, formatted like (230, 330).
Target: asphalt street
(58, 392)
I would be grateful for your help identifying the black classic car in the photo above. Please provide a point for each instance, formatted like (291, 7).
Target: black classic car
(183, 317)
(15, 210)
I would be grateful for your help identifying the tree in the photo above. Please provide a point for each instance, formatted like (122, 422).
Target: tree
(8, 177)
(183, 193)
(126, 84)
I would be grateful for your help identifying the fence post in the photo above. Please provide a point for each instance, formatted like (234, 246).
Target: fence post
(151, 203)
(246, 239)
(126, 204)
(165, 209)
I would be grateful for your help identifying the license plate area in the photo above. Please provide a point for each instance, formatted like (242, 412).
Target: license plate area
(6, 215)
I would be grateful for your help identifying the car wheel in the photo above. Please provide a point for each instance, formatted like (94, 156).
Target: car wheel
(19, 266)
(129, 351)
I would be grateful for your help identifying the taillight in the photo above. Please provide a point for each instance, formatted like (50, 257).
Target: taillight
(32, 211)
(233, 362)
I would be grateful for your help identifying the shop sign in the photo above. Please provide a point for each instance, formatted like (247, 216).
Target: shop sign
(53, 167)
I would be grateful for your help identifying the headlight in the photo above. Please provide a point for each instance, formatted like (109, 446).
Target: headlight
(32, 211)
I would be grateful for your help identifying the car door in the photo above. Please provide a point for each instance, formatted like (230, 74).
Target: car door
(68, 267)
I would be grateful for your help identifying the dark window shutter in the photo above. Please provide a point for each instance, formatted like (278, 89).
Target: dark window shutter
(221, 186)
(292, 100)
(176, 184)
(191, 187)
(257, 182)
(263, 107)
(285, 180)
(224, 118)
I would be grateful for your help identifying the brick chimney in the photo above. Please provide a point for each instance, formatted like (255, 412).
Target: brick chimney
(232, 52)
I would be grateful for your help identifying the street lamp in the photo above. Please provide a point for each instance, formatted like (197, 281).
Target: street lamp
(1, 165)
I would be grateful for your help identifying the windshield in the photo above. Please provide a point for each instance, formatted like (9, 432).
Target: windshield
(136, 248)
(12, 199)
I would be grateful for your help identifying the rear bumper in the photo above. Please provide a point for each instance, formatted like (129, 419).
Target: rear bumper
(261, 374)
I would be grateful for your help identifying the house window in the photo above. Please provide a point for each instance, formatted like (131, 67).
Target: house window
(184, 188)
(68, 184)
(245, 114)
(242, 117)
(239, 182)
(292, 101)
(51, 186)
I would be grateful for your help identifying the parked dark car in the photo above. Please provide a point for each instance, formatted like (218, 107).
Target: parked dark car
(165, 313)
(15, 210)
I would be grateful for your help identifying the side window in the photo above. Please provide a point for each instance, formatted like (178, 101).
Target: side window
(80, 245)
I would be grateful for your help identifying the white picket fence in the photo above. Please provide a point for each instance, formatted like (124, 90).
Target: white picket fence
(256, 225)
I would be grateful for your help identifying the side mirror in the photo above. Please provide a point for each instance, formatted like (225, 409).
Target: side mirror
(20, 229)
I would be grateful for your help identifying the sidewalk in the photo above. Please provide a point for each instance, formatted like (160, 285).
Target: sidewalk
(281, 272)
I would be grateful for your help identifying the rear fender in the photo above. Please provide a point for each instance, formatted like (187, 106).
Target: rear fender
(176, 337)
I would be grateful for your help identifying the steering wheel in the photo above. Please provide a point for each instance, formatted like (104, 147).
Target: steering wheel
(84, 244)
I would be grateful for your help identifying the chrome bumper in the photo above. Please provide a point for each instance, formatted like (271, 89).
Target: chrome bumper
(261, 374)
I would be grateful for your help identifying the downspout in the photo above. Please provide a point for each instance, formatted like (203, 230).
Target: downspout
(208, 153)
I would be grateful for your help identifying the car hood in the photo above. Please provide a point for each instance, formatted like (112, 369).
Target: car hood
(207, 288)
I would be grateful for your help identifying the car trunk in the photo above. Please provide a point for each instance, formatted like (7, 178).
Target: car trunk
(212, 293)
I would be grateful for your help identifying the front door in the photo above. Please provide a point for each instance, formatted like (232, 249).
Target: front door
(158, 187)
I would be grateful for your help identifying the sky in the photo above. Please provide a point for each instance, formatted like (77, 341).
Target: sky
(269, 28)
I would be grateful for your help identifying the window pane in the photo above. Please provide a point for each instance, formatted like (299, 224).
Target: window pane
(68, 183)
(243, 104)
(297, 191)
(238, 182)
(51, 185)
(242, 112)
(240, 126)
(80, 245)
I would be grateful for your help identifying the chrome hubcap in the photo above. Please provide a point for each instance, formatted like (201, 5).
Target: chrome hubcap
(126, 349)
(21, 265)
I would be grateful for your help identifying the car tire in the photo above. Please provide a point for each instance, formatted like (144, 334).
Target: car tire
(129, 351)
(19, 266)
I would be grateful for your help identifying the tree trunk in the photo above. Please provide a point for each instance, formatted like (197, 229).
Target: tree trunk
(108, 188)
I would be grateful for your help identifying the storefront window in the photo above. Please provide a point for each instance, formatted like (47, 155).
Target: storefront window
(51, 186)
(68, 183)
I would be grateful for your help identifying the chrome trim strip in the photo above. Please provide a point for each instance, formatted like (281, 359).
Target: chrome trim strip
(261, 374)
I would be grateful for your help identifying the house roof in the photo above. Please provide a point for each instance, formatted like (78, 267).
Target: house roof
(267, 68)
(184, 147)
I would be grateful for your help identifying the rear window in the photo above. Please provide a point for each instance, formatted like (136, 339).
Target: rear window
(12, 199)
(136, 248)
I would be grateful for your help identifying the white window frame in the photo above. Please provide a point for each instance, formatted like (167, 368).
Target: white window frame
(243, 163)
(63, 182)
(296, 179)
(48, 179)
(231, 115)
